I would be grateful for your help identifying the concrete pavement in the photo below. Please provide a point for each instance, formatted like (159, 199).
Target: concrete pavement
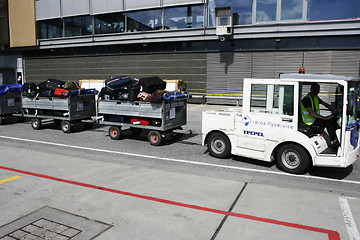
(134, 201)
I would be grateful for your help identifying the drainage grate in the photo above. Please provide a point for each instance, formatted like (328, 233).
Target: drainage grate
(43, 229)
(52, 224)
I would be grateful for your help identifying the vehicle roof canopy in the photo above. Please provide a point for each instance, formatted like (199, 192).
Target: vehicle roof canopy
(317, 77)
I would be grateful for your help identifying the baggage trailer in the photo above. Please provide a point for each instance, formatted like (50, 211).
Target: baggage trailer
(10, 104)
(161, 119)
(63, 111)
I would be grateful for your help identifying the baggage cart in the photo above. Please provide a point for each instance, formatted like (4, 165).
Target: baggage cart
(10, 104)
(63, 111)
(161, 119)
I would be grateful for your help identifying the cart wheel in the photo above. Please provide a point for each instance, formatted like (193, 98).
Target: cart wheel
(292, 158)
(36, 123)
(155, 138)
(66, 126)
(88, 125)
(114, 132)
(135, 131)
(218, 145)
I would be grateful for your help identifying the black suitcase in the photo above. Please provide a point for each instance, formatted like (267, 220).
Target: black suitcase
(133, 90)
(151, 84)
(52, 84)
(117, 83)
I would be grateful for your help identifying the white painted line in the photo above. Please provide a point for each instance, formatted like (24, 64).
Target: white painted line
(180, 160)
(349, 219)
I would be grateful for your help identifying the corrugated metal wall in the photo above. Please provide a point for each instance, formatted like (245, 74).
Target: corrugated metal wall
(226, 70)
(190, 67)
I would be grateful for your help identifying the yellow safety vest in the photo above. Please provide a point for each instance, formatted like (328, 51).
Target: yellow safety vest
(306, 117)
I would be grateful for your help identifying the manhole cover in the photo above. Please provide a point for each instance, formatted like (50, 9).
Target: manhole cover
(50, 223)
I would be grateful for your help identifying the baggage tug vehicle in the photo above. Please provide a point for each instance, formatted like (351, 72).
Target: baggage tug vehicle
(269, 125)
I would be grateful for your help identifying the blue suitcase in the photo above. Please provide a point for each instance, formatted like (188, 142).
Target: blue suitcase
(117, 83)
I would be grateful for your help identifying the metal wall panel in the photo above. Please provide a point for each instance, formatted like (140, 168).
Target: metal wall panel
(180, 2)
(74, 8)
(106, 6)
(141, 4)
(191, 67)
(47, 9)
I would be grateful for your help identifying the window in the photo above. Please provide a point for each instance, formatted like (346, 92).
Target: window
(242, 10)
(78, 26)
(291, 9)
(50, 28)
(109, 23)
(266, 10)
(144, 21)
(184, 17)
(333, 9)
(272, 99)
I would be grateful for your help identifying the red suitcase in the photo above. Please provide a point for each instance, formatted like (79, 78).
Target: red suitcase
(59, 92)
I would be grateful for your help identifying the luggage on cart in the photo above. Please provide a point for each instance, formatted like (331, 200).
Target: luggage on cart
(62, 93)
(151, 84)
(133, 90)
(117, 83)
(51, 84)
(29, 89)
(10, 88)
(176, 95)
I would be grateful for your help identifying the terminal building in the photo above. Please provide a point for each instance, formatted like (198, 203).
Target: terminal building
(211, 44)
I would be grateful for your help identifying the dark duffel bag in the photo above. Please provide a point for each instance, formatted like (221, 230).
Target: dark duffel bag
(52, 84)
(151, 84)
(133, 91)
(117, 83)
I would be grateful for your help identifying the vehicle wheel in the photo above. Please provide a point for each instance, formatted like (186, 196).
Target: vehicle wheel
(219, 145)
(36, 123)
(154, 138)
(292, 158)
(1, 120)
(136, 131)
(66, 126)
(114, 132)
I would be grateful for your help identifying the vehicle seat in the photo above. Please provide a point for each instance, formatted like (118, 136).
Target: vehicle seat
(310, 131)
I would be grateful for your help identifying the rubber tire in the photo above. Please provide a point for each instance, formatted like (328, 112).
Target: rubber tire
(66, 126)
(154, 138)
(36, 123)
(114, 133)
(1, 120)
(299, 165)
(218, 145)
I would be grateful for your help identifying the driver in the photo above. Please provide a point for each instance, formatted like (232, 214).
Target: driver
(310, 112)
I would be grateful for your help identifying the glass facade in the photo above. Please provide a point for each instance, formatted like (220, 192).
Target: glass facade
(78, 26)
(184, 17)
(266, 10)
(144, 20)
(292, 10)
(192, 16)
(50, 28)
(332, 9)
(110, 23)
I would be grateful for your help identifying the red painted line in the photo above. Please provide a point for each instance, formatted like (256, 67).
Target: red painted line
(332, 235)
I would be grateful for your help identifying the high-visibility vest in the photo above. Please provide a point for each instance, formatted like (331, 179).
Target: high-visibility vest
(306, 117)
